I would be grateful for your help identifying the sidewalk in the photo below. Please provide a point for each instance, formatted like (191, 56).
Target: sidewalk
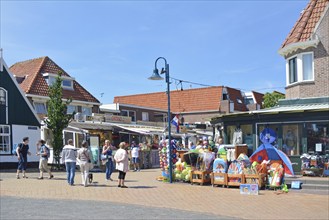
(146, 191)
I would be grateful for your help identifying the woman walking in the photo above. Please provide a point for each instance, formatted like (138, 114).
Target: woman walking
(121, 158)
(107, 151)
(22, 151)
(44, 153)
(84, 159)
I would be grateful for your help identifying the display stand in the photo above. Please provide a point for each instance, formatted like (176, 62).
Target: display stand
(259, 179)
(238, 149)
(200, 177)
(219, 179)
(312, 171)
(235, 179)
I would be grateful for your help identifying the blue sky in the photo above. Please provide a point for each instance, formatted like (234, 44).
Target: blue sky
(110, 46)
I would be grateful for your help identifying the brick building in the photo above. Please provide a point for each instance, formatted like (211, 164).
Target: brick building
(301, 121)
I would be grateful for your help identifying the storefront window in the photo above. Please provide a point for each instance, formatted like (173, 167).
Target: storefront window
(291, 135)
(317, 138)
(274, 127)
(67, 136)
(246, 134)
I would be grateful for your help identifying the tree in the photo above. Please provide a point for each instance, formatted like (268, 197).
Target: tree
(57, 119)
(271, 99)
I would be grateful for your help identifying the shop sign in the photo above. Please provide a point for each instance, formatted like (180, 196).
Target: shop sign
(118, 118)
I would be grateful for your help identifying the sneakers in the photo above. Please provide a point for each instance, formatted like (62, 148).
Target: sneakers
(119, 186)
(40, 178)
(51, 176)
(25, 177)
(17, 177)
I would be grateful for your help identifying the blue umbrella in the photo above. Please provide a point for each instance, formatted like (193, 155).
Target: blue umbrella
(267, 152)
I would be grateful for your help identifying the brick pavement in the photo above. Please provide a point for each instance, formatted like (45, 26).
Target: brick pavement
(146, 191)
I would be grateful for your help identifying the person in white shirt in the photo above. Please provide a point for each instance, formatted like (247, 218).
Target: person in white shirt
(135, 155)
(69, 155)
(121, 159)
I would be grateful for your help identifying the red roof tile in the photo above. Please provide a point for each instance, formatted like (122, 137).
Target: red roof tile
(304, 27)
(35, 83)
(190, 100)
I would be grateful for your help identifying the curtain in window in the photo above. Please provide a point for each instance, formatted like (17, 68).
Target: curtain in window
(307, 66)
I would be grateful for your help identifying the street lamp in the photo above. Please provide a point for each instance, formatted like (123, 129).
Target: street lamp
(156, 76)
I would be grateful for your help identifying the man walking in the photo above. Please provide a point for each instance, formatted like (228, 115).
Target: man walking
(22, 151)
(44, 153)
(69, 157)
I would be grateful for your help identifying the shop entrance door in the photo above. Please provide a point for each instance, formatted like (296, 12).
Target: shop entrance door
(94, 147)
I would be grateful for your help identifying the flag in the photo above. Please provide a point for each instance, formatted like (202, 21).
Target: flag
(175, 121)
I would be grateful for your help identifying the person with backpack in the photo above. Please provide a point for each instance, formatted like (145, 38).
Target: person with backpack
(84, 158)
(44, 152)
(22, 151)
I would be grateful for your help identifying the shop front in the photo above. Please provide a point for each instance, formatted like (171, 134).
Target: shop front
(301, 130)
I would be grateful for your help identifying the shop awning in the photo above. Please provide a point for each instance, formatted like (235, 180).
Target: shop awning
(140, 129)
(295, 108)
(91, 126)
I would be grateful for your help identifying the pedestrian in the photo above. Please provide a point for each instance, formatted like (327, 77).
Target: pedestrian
(135, 155)
(84, 158)
(121, 158)
(44, 153)
(69, 155)
(192, 146)
(22, 151)
(107, 152)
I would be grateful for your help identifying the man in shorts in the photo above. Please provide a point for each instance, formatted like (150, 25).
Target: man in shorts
(135, 155)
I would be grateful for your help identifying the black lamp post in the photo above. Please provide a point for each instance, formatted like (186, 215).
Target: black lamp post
(156, 76)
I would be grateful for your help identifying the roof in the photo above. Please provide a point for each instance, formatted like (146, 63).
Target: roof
(32, 81)
(259, 97)
(190, 100)
(305, 25)
(235, 95)
(295, 108)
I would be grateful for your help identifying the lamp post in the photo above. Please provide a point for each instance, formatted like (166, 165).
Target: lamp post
(156, 76)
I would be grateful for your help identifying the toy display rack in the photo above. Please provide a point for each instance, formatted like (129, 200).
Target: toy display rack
(239, 177)
(218, 179)
(260, 179)
(201, 177)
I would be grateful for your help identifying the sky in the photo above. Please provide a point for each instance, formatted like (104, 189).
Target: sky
(110, 47)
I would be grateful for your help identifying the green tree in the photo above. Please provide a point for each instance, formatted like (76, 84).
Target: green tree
(57, 119)
(271, 99)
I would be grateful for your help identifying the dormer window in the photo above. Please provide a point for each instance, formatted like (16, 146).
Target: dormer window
(67, 82)
(300, 68)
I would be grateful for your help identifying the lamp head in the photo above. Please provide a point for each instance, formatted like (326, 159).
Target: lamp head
(155, 75)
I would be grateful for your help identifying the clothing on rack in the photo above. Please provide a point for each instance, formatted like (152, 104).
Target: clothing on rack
(237, 137)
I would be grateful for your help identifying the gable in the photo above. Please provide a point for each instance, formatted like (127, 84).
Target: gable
(35, 83)
(19, 109)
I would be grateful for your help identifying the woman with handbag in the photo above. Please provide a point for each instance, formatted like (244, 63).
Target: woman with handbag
(121, 159)
(107, 158)
(84, 159)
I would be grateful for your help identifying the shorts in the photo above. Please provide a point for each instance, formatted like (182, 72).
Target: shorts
(122, 175)
(22, 163)
(135, 160)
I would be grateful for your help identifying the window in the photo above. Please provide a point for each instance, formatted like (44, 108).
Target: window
(293, 70)
(128, 113)
(317, 137)
(249, 100)
(308, 66)
(300, 68)
(145, 116)
(40, 108)
(51, 80)
(67, 84)
(291, 137)
(3, 96)
(4, 139)
(86, 111)
(71, 109)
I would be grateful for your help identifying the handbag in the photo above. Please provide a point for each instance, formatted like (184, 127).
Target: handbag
(104, 157)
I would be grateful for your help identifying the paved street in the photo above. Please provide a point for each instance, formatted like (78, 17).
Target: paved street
(148, 198)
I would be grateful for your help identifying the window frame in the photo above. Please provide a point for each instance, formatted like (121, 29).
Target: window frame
(86, 107)
(128, 114)
(145, 116)
(9, 141)
(41, 103)
(5, 97)
(75, 110)
(299, 68)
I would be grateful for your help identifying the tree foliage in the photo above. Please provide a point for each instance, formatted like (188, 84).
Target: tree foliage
(57, 119)
(271, 99)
